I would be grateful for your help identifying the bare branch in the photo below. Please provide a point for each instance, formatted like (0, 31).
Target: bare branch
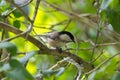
(97, 37)
(87, 66)
(29, 1)
(25, 15)
(68, 22)
(17, 31)
(36, 9)
(44, 50)
(71, 15)
(105, 61)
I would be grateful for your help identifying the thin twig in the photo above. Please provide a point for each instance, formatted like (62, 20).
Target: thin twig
(19, 8)
(31, 24)
(105, 61)
(97, 57)
(81, 49)
(26, 16)
(34, 15)
(59, 23)
(70, 5)
(44, 50)
(51, 25)
(68, 22)
(42, 27)
(6, 58)
(79, 17)
(59, 62)
(96, 40)
(22, 5)
(17, 31)
(71, 61)
(2, 38)
(36, 10)
(107, 44)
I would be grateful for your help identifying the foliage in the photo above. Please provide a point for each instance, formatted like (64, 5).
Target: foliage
(94, 23)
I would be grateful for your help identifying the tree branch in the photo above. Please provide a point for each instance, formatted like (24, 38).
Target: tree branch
(17, 31)
(44, 50)
(71, 15)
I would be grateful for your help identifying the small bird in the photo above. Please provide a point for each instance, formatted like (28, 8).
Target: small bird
(58, 39)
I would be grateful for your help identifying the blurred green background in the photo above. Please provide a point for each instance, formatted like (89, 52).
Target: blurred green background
(94, 23)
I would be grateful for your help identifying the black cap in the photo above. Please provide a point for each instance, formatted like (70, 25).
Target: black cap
(68, 33)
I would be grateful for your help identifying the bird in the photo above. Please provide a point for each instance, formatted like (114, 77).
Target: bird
(58, 39)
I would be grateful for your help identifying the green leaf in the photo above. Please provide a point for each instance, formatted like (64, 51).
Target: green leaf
(105, 4)
(28, 55)
(114, 19)
(10, 47)
(17, 14)
(115, 5)
(4, 67)
(116, 76)
(23, 60)
(4, 5)
(16, 23)
(18, 72)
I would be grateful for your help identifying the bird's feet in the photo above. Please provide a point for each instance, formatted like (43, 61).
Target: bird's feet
(59, 49)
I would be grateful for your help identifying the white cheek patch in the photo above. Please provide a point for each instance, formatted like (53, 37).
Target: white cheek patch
(65, 37)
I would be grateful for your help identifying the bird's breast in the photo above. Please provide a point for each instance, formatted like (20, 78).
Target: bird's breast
(55, 43)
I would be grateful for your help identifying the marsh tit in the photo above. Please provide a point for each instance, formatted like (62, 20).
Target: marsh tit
(58, 39)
